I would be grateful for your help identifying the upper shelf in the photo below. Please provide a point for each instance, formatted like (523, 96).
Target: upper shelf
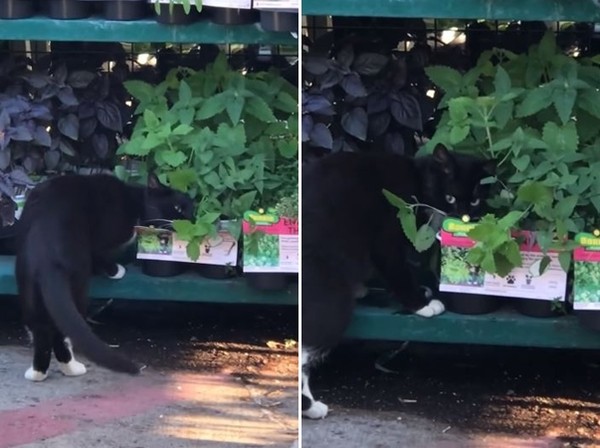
(546, 10)
(147, 30)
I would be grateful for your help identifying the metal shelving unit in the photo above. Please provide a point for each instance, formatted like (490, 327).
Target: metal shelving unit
(189, 287)
(547, 10)
(376, 320)
(147, 30)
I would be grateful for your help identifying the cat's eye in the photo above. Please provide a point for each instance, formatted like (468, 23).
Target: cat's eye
(450, 199)
(178, 209)
(475, 202)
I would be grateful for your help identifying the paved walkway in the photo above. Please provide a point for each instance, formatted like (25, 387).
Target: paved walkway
(361, 429)
(154, 410)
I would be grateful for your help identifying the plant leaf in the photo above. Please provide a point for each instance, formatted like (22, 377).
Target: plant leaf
(355, 123)
(425, 238)
(320, 136)
(369, 64)
(67, 96)
(109, 116)
(353, 85)
(406, 111)
(69, 126)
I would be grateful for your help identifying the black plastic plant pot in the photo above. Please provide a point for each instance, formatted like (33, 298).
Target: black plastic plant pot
(216, 272)
(159, 268)
(178, 15)
(589, 319)
(267, 281)
(68, 9)
(232, 16)
(125, 10)
(472, 304)
(279, 21)
(16, 9)
(535, 308)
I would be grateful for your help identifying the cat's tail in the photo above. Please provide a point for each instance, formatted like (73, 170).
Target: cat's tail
(58, 299)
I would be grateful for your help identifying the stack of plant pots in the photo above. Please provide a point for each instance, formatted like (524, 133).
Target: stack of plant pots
(17, 9)
(231, 12)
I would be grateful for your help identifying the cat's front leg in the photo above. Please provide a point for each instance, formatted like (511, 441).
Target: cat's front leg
(390, 256)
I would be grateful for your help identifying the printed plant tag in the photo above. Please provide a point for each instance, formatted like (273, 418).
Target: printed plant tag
(270, 242)
(276, 4)
(162, 244)
(586, 285)
(237, 4)
(525, 282)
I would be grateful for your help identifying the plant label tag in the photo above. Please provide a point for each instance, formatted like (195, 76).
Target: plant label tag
(525, 282)
(162, 244)
(586, 284)
(270, 242)
(276, 4)
(237, 4)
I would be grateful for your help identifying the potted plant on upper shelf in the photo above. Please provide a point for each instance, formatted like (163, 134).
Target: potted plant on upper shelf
(177, 12)
(17, 9)
(67, 9)
(535, 115)
(231, 12)
(122, 9)
(213, 133)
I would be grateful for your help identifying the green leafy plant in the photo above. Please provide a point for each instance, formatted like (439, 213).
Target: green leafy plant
(186, 4)
(228, 139)
(536, 115)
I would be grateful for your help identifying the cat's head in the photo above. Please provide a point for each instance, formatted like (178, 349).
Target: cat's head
(162, 202)
(453, 183)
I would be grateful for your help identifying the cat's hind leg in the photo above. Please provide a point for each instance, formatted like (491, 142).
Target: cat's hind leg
(310, 407)
(327, 307)
(67, 363)
(42, 353)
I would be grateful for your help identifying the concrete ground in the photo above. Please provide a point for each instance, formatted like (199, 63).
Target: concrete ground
(448, 396)
(347, 428)
(155, 410)
(229, 387)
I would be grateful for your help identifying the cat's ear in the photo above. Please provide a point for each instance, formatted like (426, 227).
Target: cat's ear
(153, 182)
(443, 158)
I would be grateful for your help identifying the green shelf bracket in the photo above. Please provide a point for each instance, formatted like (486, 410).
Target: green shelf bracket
(189, 287)
(546, 10)
(99, 30)
(505, 328)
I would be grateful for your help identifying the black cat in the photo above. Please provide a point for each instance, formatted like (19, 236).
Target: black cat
(348, 227)
(70, 228)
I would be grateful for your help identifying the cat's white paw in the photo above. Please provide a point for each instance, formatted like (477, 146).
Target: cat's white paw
(438, 307)
(316, 411)
(433, 308)
(120, 273)
(72, 368)
(34, 375)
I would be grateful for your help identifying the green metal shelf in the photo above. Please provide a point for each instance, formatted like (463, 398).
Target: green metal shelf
(147, 30)
(547, 10)
(189, 287)
(504, 327)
